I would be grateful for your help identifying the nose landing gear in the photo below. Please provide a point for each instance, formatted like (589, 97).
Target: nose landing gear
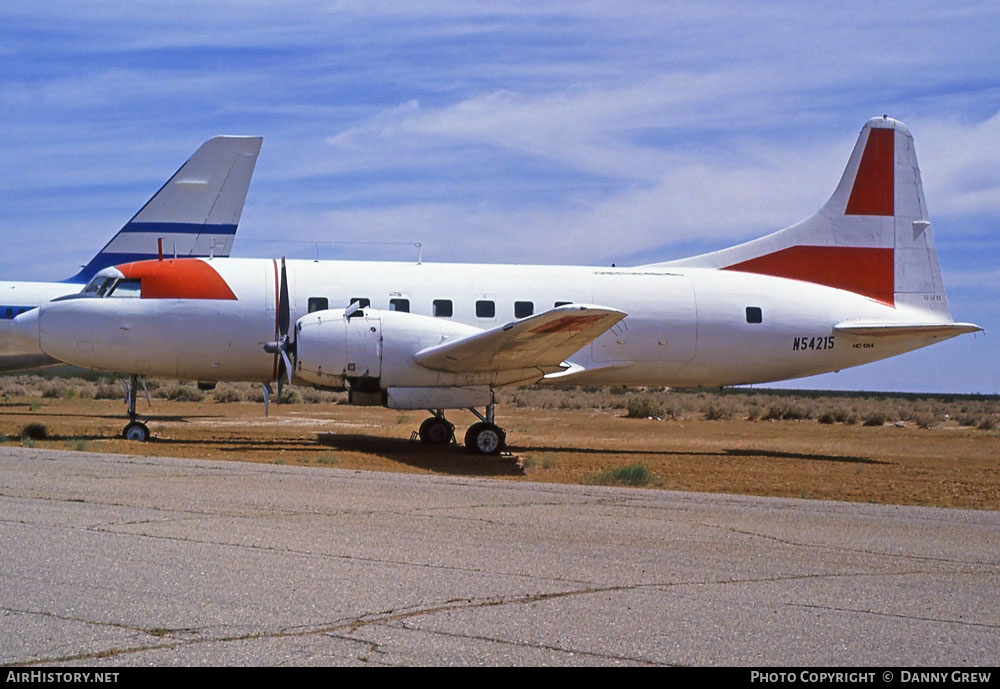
(134, 429)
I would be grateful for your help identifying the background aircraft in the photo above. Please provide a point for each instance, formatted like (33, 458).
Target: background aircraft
(195, 213)
(856, 282)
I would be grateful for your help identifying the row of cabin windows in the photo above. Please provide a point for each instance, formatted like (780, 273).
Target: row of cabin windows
(442, 308)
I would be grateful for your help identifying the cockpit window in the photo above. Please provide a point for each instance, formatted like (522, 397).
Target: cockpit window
(107, 286)
(100, 285)
(129, 289)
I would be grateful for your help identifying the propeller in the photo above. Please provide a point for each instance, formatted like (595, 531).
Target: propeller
(283, 345)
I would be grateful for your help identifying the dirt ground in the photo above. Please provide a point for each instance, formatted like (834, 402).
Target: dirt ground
(946, 466)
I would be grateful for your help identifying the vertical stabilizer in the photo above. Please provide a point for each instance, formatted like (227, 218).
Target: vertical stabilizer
(872, 237)
(195, 213)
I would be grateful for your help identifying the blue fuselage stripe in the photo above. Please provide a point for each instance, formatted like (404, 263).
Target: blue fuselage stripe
(9, 312)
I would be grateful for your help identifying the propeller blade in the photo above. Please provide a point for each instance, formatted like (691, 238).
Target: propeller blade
(283, 343)
(267, 397)
(283, 316)
(287, 362)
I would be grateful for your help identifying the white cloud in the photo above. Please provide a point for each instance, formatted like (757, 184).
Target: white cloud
(960, 163)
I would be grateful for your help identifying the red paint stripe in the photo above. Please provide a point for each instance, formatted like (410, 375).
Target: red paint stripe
(862, 270)
(567, 324)
(873, 190)
(179, 278)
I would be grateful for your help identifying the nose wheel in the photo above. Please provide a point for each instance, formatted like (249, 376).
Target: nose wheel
(134, 429)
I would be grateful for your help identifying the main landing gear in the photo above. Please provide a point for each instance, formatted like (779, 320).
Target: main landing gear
(482, 438)
(485, 437)
(437, 430)
(134, 429)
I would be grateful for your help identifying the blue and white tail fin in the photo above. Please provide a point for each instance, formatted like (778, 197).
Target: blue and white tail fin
(194, 214)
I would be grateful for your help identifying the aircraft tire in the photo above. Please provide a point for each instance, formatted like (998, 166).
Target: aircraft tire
(436, 431)
(485, 438)
(136, 430)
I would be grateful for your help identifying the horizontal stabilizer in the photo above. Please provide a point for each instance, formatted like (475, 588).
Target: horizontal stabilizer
(905, 329)
(574, 371)
(542, 341)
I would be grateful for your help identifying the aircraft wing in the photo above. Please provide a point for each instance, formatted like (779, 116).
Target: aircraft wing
(542, 341)
(876, 329)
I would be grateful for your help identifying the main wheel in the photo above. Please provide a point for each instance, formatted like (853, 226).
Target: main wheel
(485, 438)
(136, 430)
(436, 431)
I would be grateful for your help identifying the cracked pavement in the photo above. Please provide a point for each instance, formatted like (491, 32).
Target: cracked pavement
(117, 560)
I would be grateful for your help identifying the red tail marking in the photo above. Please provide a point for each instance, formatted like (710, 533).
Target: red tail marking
(867, 271)
(179, 278)
(873, 190)
(567, 324)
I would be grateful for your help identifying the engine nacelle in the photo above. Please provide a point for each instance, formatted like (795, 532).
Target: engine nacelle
(371, 350)
(370, 353)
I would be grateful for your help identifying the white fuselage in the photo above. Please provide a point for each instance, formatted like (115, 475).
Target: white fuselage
(15, 299)
(684, 326)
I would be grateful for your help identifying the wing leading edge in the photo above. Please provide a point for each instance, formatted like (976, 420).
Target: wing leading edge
(543, 341)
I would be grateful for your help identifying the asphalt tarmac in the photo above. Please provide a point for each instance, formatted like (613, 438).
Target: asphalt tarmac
(117, 560)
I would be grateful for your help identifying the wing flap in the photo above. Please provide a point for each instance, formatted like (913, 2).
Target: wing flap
(542, 341)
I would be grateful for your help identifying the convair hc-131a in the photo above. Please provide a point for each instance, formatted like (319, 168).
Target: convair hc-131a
(195, 213)
(856, 282)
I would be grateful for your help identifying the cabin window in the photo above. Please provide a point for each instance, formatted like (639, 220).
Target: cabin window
(754, 315)
(399, 305)
(561, 303)
(362, 302)
(523, 309)
(442, 308)
(318, 304)
(486, 309)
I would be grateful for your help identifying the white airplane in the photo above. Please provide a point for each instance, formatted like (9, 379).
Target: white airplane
(195, 213)
(856, 282)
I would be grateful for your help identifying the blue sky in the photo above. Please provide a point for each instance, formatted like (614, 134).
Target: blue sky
(576, 132)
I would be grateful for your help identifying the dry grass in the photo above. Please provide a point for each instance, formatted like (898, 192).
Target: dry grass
(921, 449)
(923, 410)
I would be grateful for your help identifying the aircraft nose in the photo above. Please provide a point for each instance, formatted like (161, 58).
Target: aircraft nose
(24, 327)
